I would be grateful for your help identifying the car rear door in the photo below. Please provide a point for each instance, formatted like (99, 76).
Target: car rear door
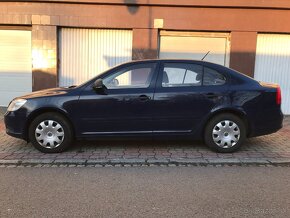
(184, 96)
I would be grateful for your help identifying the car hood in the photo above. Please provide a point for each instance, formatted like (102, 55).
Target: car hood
(48, 92)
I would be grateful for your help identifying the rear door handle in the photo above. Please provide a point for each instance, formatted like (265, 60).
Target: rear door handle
(211, 95)
(144, 98)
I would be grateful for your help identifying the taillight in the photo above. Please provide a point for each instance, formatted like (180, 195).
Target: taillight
(278, 96)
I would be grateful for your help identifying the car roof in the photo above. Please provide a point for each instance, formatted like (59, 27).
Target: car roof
(201, 62)
(169, 59)
(178, 60)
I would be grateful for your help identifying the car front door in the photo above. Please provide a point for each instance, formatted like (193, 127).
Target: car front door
(184, 96)
(124, 107)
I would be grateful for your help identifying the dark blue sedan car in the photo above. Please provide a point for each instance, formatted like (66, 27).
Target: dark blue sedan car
(152, 98)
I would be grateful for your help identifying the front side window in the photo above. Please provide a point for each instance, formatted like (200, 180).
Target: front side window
(137, 76)
(180, 74)
(212, 77)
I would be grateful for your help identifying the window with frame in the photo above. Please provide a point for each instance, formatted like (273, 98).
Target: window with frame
(213, 78)
(181, 74)
(136, 76)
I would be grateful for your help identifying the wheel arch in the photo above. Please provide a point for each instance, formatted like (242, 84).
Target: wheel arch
(40, 111)
(235, 111)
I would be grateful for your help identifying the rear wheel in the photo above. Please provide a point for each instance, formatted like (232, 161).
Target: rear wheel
(50, 133)
(225, 133)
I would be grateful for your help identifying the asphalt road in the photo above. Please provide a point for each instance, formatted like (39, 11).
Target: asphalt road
(145, 192)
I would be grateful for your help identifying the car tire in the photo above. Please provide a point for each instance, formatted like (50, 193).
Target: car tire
(225, 133)
(50, 133)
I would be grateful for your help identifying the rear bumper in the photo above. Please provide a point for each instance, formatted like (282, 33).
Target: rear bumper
(15, 124)
(267, 124)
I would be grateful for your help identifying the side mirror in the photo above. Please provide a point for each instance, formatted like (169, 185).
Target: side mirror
(99, 85)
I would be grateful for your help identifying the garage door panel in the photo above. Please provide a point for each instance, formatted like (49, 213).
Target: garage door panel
(85, 53)
(214, 58)
(7, 96)
(191, 46)
(15, 64)
(19, 82)
(273, 63)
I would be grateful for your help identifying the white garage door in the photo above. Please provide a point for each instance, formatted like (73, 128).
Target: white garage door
(193, 45)
(15, 64)
(85, 53)
(273, 63)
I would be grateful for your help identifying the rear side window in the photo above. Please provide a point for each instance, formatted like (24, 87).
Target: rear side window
(180, 74)
(213, 78)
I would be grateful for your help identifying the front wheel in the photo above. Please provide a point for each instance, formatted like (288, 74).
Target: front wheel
(225, 133)
(50, 133)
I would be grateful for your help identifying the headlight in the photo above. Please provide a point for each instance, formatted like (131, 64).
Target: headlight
(16, 104)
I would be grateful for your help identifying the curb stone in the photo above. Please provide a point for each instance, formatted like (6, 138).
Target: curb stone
(279, 161)
(40, 161)
(157, 161)
(149, 162)
(224, 161)
(188, 161)
(9, 162)
(254, 160)
(97, 161)
(127, 161)
(70, 161)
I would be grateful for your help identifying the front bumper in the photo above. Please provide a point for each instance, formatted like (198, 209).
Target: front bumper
(15, 123)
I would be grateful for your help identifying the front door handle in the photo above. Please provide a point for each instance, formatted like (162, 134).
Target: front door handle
(144, 98)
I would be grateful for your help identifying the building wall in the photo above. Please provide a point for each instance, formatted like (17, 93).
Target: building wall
(242, 18)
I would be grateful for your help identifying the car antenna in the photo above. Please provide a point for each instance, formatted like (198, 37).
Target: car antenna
(205, 55)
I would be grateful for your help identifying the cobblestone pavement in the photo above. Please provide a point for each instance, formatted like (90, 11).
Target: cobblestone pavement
(272, 149)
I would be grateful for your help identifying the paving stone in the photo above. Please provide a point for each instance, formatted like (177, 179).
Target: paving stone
(11, 166)
(63, 165)
(38, 165)
(46, 165)
(80, 165)
(98, 165)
